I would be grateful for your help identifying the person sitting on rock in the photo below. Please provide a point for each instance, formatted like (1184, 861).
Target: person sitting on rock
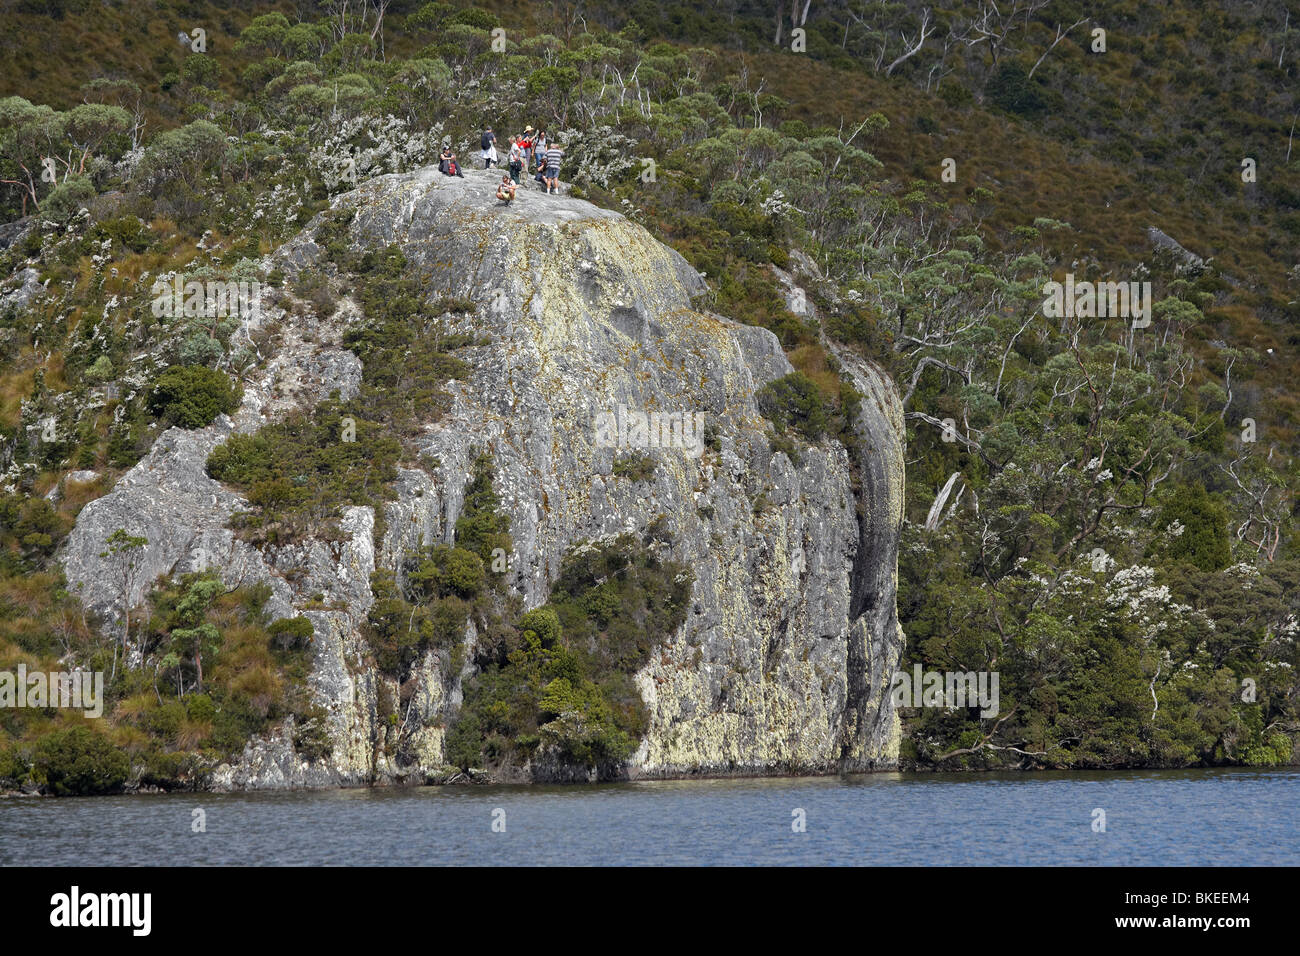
(447, 163)
(506, 188)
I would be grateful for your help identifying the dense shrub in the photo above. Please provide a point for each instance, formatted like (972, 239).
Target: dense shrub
(447, 571)
(634, 466)
(442, 587)
(561, 677)
(79, 762)
(291, 633)
(13, 769)
(68, 197)
(191, 396)
(299, 473)
(794, 402)
(1193, 527)
(1010, 89)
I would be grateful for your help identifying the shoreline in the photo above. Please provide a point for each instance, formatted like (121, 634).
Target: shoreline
(486, 779)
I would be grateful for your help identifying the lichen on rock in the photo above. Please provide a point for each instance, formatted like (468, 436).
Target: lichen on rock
(783, 662)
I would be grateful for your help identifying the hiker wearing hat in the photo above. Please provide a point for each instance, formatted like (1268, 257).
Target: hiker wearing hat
(487, 143)
(526, 146)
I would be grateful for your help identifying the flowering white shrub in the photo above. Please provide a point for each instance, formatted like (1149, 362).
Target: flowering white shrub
(365, 146)
(597, 156)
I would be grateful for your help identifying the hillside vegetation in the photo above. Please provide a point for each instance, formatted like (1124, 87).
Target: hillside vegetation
(1102, 513)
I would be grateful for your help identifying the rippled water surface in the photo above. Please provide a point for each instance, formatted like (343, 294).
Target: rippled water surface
(1200, 817)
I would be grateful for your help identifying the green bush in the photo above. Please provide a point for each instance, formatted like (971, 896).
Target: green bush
(191, 396)
(291, 633)
(1276, 751)
(300, 472)
(563, 676)
(483, 527)
(464, 742)
(463, 572)
(13, 769)
(79, 762)
(165, 719)
(101, 370)
(543, 623)
(1204, 541)
(795, 402)
(168, 770)
(183, 154)
(1011, 89)
(127, 231)
(68, 197)
(447, 571)
(199, 707)
(635, 466)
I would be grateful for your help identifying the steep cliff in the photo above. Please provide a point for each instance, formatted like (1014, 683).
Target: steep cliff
(784, 660)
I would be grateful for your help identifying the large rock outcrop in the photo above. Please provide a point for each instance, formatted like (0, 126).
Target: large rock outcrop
(785, 658)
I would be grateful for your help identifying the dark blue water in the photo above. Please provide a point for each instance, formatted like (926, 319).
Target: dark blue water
(1200, 817)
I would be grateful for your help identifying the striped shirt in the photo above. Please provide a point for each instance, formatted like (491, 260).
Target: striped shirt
(553, 158)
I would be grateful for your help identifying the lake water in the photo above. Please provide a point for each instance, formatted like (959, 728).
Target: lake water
(1198, 817)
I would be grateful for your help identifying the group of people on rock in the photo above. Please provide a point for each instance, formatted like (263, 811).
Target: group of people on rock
(530, 152)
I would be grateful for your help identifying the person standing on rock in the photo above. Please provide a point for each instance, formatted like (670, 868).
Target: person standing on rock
(553, 156)
(539, 149)
(487, 143)
(516, 160)
(526, 146)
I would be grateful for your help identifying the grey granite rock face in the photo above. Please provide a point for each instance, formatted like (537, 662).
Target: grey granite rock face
(24, 293)
(784, 661)
(1187, 260)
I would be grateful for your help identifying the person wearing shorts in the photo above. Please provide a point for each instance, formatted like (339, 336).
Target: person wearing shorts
(553, 156)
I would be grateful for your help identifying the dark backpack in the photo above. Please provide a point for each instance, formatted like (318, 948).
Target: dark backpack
(486, 142)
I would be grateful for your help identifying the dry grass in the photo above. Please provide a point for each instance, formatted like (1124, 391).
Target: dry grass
(812, 360)
(14, 387)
